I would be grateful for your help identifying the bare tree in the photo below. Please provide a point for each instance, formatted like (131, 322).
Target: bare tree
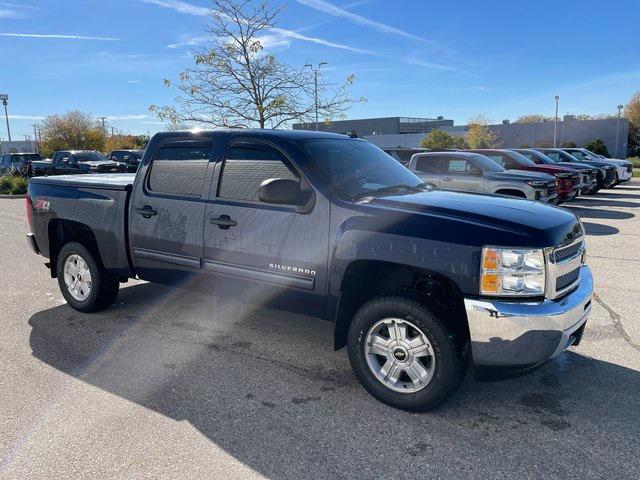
(236, 83)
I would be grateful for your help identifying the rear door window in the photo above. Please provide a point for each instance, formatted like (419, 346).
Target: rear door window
(247, 166)
(432, 164)
(179, 168)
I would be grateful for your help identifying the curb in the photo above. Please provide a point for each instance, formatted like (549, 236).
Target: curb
(21, 195)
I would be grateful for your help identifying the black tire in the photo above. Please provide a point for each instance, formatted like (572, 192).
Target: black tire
(104, 286)
(449, 362)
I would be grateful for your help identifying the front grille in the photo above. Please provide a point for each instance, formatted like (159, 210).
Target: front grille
(563, 254)
(611, 174)
(551, 188)
(567, 279)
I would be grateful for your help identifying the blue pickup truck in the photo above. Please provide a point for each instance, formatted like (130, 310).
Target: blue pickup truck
(417, 282)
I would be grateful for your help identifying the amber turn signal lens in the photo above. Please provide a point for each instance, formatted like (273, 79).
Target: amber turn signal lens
(490, 260)
(490, 283)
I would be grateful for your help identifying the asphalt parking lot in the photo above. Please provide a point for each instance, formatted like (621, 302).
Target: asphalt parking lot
(171, 384)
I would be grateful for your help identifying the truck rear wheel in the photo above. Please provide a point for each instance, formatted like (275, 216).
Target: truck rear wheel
(403, 355)
(84, 283)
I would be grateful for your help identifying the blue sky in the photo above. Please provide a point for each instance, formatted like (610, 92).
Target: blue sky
(410, 58)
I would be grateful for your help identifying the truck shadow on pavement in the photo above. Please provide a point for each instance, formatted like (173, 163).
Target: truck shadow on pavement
(266, 387)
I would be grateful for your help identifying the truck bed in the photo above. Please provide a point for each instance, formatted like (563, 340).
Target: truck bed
(105, 181)
(96, 204)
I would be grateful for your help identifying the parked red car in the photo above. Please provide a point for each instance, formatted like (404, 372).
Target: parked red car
(567, 179)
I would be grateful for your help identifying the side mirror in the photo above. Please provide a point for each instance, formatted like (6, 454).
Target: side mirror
(282, 191)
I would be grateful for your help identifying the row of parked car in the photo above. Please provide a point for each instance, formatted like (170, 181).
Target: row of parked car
(551, 175)
(69, 162)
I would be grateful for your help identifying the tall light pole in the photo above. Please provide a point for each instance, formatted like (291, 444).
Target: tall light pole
(618, 153)
(316, 72)
(104, 126)
(5, 99)
(555, 124)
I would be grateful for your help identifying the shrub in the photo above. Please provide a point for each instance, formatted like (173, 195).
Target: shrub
(10, 185)
(598, 147)
(5, 184)
(568, 145)
(19, 186)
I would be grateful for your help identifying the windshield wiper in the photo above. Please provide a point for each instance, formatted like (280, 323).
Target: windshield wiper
(391, 189)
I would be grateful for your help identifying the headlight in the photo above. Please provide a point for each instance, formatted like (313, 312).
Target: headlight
(537, 183)
(512, 272)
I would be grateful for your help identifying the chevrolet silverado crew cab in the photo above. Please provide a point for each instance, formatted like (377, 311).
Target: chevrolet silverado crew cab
(473, 172)
(567, 181)
(417, 282)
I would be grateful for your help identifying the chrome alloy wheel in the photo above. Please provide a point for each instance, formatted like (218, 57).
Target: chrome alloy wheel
(77, 277)
(400, 355)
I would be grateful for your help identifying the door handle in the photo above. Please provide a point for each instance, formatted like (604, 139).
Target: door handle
(223, 221)
(146, 211)
(447, 179)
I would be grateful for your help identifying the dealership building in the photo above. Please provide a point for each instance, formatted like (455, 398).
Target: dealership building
(407, 132)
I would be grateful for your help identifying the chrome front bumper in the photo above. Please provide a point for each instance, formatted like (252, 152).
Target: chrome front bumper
(521, 334)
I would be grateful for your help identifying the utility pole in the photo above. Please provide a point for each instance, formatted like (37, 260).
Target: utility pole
(104, 126)
(316, 72)
(35, 135)
(618, 152)
(112, 130)
(555, 124)
(5, 99)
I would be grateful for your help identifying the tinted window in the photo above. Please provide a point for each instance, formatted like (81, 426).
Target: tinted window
(579, 155)
(179, 168)
(89, 157)
(246, 167)
(432, 164)
(354, 167)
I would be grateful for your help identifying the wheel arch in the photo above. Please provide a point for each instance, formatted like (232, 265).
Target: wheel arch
(512, 192)
(62, 232)
(366, 279)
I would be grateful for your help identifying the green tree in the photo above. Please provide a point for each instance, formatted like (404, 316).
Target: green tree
(235, 83)
(73, 130)
(598, 147)
(441, 140)
(632, 112)
(568, 145)
(479, 135)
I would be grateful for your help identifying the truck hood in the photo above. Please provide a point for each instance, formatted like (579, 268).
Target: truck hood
(576, 166)
(521, 175)
(553, 169)
(490, 219)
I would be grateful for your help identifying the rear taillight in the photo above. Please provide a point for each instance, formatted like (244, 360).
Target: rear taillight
(29, 209)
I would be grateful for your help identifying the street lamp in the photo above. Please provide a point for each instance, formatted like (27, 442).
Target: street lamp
(555, 124)
(5, 99)
(618, 152)
(316, 72)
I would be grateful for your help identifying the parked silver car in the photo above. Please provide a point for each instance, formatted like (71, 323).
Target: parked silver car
(472, 172)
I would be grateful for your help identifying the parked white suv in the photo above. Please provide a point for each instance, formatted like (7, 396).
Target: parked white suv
(624, 168)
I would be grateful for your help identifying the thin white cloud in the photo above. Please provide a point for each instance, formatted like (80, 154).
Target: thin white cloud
(26, 117)
(56, 36)
(141, 116)
(319, 41)
(181, 7)
(7, 13)
(15, 5)
(188, 41)
(335, 11)
(422, 63)
(133, 81)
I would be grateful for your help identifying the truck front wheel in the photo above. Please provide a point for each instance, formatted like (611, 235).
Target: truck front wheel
(403, 355)
(84, 283)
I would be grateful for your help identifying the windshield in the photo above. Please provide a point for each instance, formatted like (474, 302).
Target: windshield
(536, 157)
(485, 163)
(90, 157)
(355, 167)
(30, 157)
(560, 156)
(521, 159)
